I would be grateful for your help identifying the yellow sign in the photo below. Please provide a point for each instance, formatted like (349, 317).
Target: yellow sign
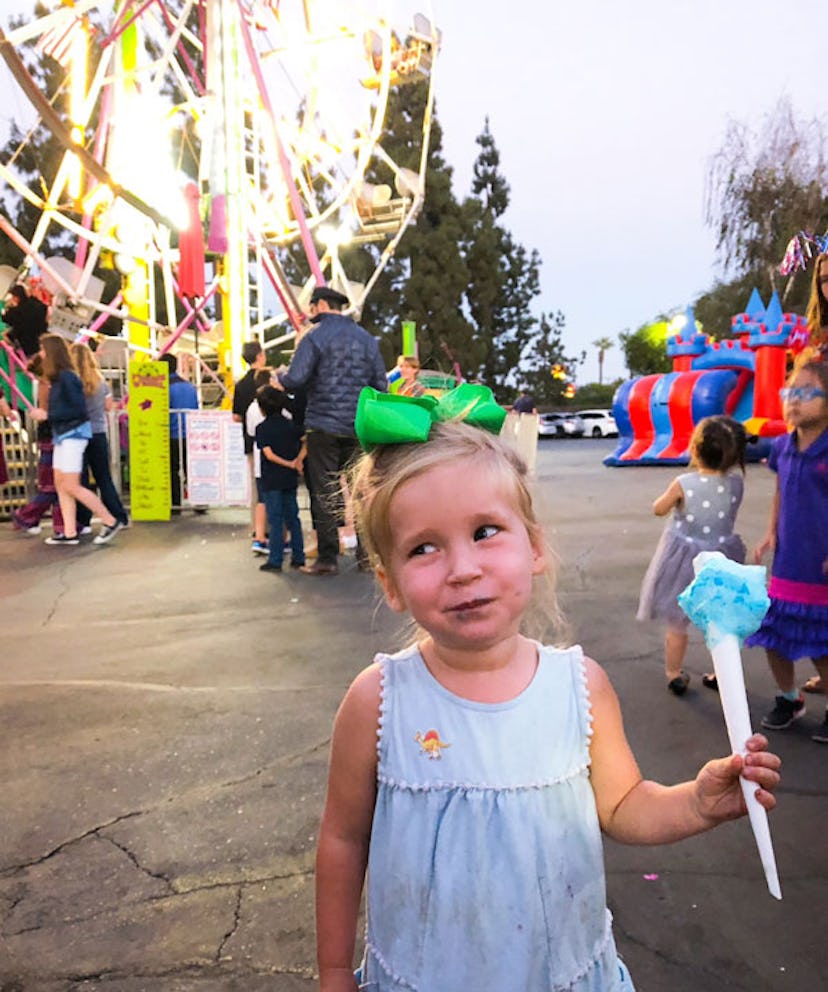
(149, 440)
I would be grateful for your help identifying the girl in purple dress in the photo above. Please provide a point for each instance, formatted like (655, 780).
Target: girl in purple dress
(796, 625)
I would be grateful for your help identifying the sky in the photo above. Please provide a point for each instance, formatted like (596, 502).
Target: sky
(606, 116)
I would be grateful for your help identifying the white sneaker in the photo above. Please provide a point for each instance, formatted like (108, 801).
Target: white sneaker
(34, 531)
(105, 534)
(61, 540)
(84, 531)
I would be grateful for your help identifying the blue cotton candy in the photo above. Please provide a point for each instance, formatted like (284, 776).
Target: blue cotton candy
(725, 597)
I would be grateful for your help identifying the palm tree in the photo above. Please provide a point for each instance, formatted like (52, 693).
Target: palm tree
(603, 345)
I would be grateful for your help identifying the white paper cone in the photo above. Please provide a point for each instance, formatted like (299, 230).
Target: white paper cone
(727, 663)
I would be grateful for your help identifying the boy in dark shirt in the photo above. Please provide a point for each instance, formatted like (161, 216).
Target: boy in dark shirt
(282, 448)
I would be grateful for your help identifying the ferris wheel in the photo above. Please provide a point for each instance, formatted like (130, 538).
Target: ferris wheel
(240, 131)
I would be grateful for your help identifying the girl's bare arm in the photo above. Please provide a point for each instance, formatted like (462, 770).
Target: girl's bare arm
(342, 854)
(669, 499)
(634, 810)
(768, 542)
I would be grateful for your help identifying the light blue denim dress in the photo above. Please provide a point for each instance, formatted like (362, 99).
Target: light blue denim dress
(486, 868)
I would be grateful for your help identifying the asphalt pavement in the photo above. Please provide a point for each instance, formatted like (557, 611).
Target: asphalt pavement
(166, 709)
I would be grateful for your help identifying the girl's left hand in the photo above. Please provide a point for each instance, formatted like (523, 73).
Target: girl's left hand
(718, 793)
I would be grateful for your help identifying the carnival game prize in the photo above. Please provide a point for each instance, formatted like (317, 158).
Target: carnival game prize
(727, 601)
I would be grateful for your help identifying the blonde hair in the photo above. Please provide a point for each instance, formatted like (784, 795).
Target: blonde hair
(87, 367)
(377, 477)
(411, 360)
(817, 313)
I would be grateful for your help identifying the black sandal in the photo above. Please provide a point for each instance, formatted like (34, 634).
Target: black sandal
(678, 685)
(711, 682)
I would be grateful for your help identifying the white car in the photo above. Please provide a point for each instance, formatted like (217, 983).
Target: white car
(598, 423)
(560, 425)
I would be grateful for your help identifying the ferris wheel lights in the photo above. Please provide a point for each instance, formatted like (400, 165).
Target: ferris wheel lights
(333, 237)
(125, 264)
(97, 198)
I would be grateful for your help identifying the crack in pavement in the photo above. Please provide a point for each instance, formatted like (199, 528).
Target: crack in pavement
(235, 926)
(239, 884)
(146, 871)
(92, 832)
(61, 576)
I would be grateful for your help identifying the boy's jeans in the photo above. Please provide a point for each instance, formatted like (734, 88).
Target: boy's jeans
(283, 511)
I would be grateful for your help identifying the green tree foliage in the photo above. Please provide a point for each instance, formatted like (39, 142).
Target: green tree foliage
(459, 273)
(426, 278)
(595, 394)
(645, 349)
(504, 277)
(715, 309)
(519, 347)
(545, 355)
(763, 187)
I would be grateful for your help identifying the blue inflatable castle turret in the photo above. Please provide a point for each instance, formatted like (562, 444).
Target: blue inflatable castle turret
(688, 344)
(740, 376)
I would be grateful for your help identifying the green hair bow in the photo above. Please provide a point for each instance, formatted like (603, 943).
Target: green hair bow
(386, 418)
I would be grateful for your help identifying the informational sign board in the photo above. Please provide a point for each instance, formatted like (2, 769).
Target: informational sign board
(217, 473)
(149, 440)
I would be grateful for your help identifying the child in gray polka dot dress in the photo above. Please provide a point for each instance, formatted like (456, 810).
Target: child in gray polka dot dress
(704, 504)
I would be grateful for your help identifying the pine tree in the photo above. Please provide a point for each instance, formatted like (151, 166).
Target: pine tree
(546, 370)
(504, 277)
(427, 276)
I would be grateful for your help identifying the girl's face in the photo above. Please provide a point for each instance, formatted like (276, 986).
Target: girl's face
(806, 404)
(822, 279)
(462, 562)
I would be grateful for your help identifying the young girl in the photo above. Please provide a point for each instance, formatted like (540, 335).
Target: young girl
(471, 773)
(796, 625)
(704, 504)
(96, 457)
(71, 432)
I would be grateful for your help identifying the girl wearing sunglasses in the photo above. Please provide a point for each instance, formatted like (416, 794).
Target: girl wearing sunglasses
(796, 625)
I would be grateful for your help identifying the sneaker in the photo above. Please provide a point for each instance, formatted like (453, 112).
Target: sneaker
(84, 531)
(105, 534)
(821, 735)
(259, 547)
(678, 685)
(784, 713)
(62, 539)
(267, 567)
(19, 524)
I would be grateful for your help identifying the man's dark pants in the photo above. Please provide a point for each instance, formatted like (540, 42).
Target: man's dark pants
(328, 456)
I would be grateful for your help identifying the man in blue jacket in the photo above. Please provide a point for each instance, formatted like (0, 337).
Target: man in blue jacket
(332, 363)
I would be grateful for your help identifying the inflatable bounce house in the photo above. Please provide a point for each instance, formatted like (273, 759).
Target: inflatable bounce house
(742, 376)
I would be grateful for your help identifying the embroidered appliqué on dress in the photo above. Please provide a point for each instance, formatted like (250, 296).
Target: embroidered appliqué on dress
(431, 744)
